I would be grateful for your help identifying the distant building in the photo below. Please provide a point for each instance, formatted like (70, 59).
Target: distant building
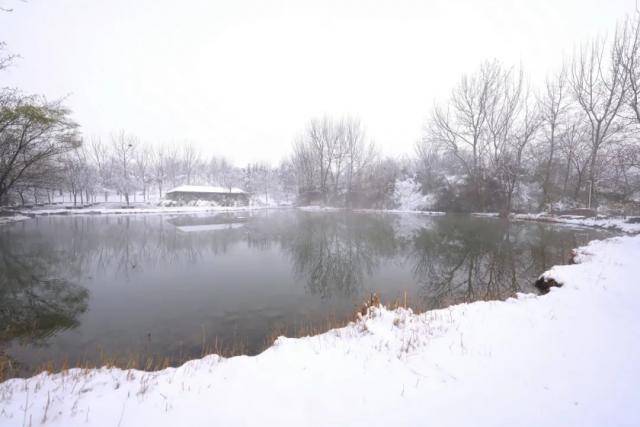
(224, 196)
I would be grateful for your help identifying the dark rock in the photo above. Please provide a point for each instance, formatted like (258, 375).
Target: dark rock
(543, 284)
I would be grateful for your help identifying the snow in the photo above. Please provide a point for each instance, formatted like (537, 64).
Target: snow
(143, 210)
(205, 189)
(486, 214)
(407, 196)
(196, 207)
(209, 227)
(609, 223)
(617, 224)
(567, 358)
(317, 208)
(417, 212)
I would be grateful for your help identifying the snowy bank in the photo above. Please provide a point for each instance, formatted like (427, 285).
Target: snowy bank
(141, 210)
(417, 212)
(314, 208)
(615, 224)
(486, 214)
(565, 358)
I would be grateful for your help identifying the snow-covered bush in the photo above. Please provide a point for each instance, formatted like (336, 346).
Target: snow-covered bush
(407, 196)
(167, 203)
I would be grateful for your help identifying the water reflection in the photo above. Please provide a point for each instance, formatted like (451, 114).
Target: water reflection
(164, 284)
(334, 254)
(220, 222)
(34, 300)
(461, 261)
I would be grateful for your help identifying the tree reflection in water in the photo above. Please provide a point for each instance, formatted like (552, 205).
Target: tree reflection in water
(334, 254)
(476, 259)
(453, 258)
(34, 300)
(239, 273)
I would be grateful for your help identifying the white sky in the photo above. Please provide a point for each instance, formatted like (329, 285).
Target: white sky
(241, 78)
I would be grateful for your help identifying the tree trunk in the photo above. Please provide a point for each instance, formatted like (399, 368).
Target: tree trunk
(546, 198)
(592, 175)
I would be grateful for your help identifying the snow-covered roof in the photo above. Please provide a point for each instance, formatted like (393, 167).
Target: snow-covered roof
(205, 189)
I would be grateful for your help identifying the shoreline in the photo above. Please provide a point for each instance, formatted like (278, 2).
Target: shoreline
(619, 224)
(609, 223)
(447, 350)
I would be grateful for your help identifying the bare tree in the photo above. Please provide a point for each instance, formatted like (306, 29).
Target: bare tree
(575, 147)
(459, 128)
(360, 152)
(554, 106)
(304, 165)
(142, 168)
(628, 154)
(76, 174)
(159, 168)
(323, 136)
(526, 124)
(228, 175)
(599, 84)
(259, 180)
(428, 162)
(124, 146)
(329, 157)
(101, 158)
(190, 161)
(627, 50)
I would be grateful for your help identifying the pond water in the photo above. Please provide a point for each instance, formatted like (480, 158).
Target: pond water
(85, 289)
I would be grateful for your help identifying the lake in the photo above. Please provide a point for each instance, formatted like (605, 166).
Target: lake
(89, 289)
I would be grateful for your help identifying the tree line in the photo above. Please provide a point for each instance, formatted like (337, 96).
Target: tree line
(498, 143)
(123, 168)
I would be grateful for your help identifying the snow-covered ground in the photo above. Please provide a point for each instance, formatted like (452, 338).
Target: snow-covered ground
(315, 208)
(609, 223)
(486, 214)
(617, 224)
(318, 208)
(568, 358)
(417, 212)
(138, 210)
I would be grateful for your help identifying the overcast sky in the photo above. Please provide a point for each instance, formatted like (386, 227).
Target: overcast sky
(241, 78)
